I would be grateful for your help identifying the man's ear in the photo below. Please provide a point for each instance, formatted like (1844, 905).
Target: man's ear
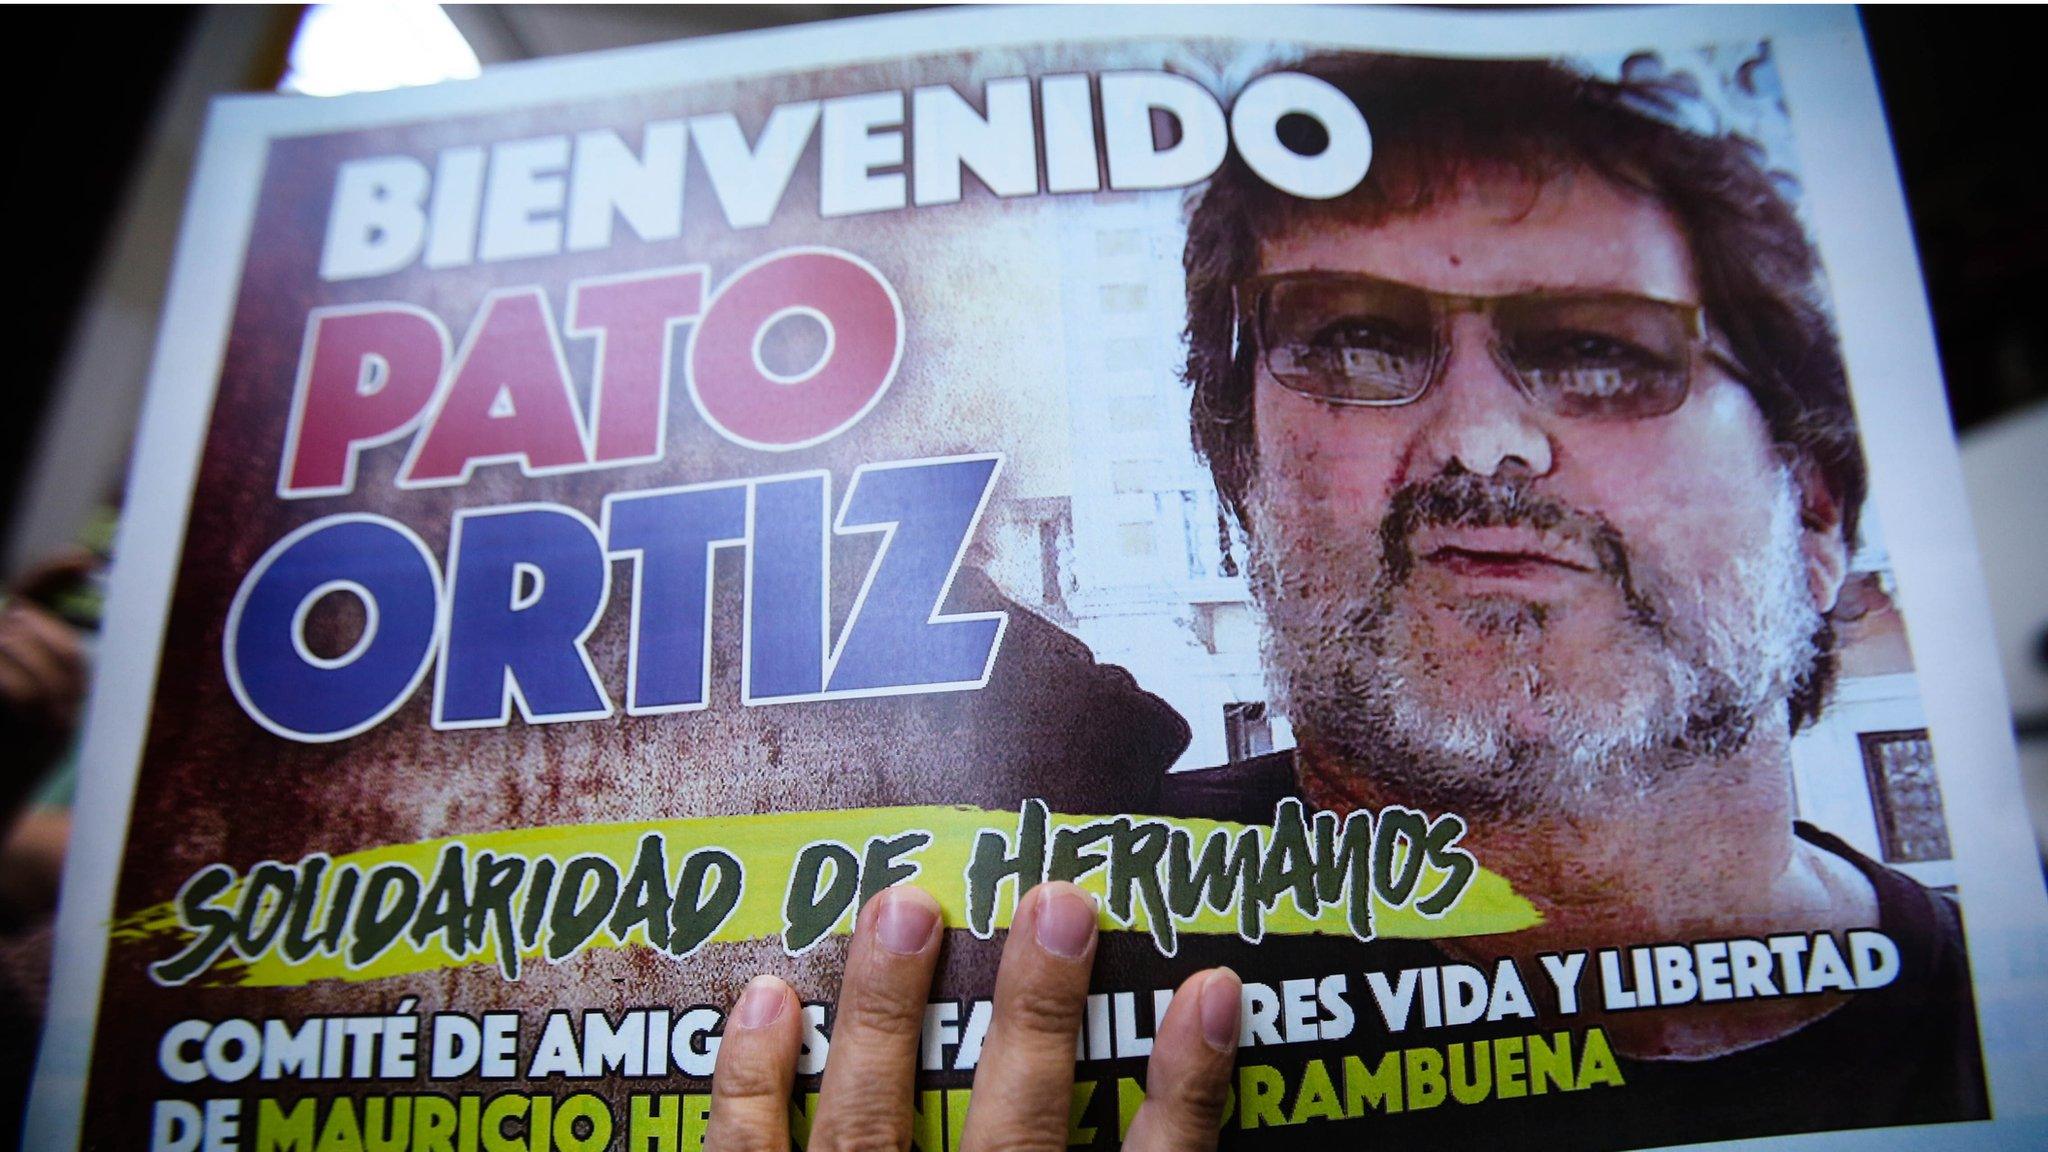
(1821, 542)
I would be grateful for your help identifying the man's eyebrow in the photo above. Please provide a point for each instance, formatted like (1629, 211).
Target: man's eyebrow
(1596, 287)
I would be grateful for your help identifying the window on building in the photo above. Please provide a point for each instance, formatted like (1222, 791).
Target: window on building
(1910, 822)
(1049, 584)
(1137, 540)
(1126, 353)
(1128, 414)
(1247, 731)
(1188, 509)
(1234, 629)
(1119, 242)
(1133, 475)
(1123, 298)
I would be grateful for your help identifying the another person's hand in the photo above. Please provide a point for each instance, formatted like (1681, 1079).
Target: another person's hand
(42, 669)
(1024, 1083)
(42, 658)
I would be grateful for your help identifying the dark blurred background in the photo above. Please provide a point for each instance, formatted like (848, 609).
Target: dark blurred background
(1959, 117)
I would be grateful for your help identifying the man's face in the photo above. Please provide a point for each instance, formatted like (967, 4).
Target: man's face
(1495, 605)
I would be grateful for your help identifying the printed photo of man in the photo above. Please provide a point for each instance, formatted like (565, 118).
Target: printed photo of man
(1542, 451)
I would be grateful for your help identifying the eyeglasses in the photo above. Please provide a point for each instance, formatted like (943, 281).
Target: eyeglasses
(1359, 340)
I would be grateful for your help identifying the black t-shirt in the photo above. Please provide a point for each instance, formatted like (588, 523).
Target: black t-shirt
(1905, 1053)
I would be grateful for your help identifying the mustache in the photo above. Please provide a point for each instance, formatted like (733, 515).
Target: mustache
(1469, 500)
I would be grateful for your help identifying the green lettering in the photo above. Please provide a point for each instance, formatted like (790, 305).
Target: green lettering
(266, 897)
(297, 945)
(341, 1133)
(1070, 858)
(445, 908)
(1509, 1072)
(1225, 869)
(1378, 1088)
(1550, 1064)
(803, 1114)
(1130, 1096)
(1596, 1063)
(196, 913)
(1077, 1109)
(538, 891)
(387, 1124)
(654, 1123)
(956, 1115)
(1288, 868)
(1259, 1092)
(1397, 854)
(1344, 867)
(433, 1124)
(698, 913)
(928, 1121)
(808, 912)
(1424, 1077)
(390, 896)
(1318, 1098)
(1478, 1084)
(882, 865)
(646, 902)
(497, 882)
(1440, 847)
(590, 887)
(1134, 855)
(992, 863)
(281, 1131)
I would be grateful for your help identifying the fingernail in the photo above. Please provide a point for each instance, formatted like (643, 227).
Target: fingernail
(1066, 921)
(904, 922)
(1222, 993)
(760, 1003)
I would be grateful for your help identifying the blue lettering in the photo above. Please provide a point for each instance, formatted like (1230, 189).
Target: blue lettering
(672, 537)
(897, 639)
(786, 589)
(527, 584)
(302, 695)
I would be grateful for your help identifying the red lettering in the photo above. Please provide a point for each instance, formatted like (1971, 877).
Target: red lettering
(745, 399)
(365, 375)
(633, 318)
(509, 399)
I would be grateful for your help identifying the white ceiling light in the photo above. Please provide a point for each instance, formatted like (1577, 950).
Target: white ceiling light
(371, 45)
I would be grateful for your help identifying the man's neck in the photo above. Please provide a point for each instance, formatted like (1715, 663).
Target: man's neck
(1709, 853)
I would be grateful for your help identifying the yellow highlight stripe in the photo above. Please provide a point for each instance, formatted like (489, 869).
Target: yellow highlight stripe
(767, 846)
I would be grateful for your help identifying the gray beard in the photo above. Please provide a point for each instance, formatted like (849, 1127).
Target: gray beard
(1693, 666)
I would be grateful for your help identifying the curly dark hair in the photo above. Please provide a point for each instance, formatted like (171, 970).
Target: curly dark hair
(1437, 123)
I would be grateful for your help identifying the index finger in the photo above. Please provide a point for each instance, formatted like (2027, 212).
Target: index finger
(756, 1066)
(1187, 1081)
(871, 1061)
(1023, 1089)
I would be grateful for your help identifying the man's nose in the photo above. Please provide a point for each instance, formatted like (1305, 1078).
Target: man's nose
(1479, 419)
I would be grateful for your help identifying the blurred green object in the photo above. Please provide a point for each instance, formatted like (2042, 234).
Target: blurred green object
(59, 786)
(80, 601)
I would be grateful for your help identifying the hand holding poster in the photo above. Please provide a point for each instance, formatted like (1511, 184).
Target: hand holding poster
(1421, 509)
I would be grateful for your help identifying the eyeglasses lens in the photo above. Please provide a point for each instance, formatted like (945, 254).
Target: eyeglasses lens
(1365, 341)
(1351, 341)
(1597, 356)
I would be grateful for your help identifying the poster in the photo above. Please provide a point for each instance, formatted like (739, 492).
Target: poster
(1450, 514)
